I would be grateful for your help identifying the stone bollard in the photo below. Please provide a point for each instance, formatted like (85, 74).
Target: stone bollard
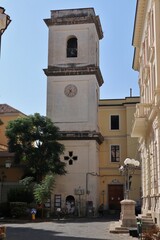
(128, 216)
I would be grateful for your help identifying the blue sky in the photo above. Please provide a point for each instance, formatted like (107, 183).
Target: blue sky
(24, 50)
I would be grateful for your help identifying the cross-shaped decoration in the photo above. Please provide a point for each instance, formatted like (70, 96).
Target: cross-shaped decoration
(70, 158)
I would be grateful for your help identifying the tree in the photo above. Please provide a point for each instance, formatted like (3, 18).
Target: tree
(43, 190)
(34, 140)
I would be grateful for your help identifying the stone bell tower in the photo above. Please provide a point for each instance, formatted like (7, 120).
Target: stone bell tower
(73, 82)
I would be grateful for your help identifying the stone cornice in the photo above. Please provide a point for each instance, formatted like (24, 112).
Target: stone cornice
(139, 22)
(67, 71)
(84, 135)
(138, 28)
(74, 18)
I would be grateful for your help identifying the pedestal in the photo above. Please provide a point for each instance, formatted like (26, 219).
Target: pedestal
(128, 216)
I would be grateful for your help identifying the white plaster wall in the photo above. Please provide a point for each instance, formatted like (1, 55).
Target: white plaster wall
(149, 89)
(78, 113)
(87, 152)
(87, 44)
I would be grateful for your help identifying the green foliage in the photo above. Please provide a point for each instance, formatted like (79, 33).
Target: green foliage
(43, 190)
(27, 182)
(20, 194)
(19, 210)
(34, 140)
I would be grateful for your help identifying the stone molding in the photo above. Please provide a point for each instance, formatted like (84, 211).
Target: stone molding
(84, 135)
(73, 70)
(76, 20)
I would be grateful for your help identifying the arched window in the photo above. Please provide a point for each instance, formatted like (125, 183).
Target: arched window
(72, 47)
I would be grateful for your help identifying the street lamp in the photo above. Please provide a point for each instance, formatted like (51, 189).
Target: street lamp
(127, 170)
(4, 22)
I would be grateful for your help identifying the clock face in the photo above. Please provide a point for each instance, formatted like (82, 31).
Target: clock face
(70, 90)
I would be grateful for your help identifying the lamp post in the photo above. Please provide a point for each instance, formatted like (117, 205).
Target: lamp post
(128, 217)
(4, 22)
(127, 170)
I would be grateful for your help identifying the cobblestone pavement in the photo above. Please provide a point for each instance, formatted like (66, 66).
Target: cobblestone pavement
(74, 229)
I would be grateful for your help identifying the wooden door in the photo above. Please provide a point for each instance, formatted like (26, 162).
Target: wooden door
(115, 195)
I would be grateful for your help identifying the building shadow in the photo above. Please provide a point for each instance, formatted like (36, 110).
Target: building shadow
(28, 233)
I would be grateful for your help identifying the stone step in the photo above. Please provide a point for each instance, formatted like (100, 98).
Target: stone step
(117, 228)
(147, 223)
(121, 228)
(144, 227)
(118, 231)
(146, 217)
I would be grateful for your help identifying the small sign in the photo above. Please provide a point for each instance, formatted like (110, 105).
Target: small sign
(33, 211)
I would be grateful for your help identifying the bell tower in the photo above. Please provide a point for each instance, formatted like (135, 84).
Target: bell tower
(73, 82)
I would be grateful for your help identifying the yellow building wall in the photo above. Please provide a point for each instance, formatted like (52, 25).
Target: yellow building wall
(109, 171)
(5, 119)
(14, 173)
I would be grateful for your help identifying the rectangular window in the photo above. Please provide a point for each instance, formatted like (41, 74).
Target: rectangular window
(57, 201)
(115, 153)
(115, 122)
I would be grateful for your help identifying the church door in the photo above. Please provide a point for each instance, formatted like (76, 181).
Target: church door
(115, 195)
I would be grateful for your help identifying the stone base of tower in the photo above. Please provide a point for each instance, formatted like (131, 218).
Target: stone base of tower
(77, 191)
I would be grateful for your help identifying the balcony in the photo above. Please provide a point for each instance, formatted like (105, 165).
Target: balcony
(141, 116)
